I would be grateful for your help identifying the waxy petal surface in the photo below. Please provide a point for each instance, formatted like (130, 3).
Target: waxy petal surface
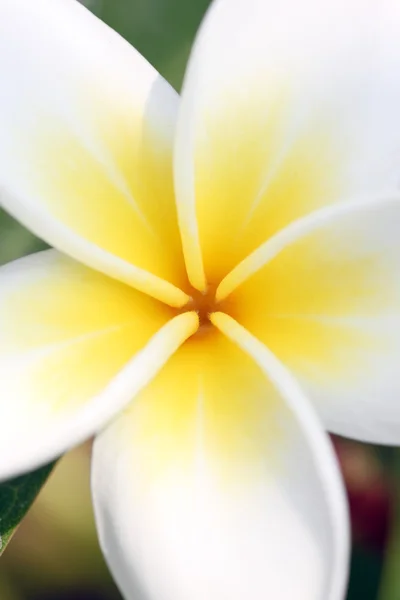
(210, 486)
(69, 354)
(85, 147)
(287, 106)
(327, 303)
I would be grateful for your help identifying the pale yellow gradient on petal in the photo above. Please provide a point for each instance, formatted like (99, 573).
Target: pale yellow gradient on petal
(86, 147)
(314, 301)
(298, 312)
(65, 331)
(122, 200)
(247, 178)
(247, 187)
(209, 398)
(102, 207)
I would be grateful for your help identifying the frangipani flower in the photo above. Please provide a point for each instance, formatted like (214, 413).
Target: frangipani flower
(227, 268)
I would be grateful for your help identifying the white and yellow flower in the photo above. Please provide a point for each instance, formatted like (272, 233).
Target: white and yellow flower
(227, 267)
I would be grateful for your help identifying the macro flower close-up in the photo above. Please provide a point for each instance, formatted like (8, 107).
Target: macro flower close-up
(223, 287)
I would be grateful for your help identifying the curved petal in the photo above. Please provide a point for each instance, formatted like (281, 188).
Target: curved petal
(209, 486)
(287, 106)
(327, 303)
(69, 342)
(85, 147)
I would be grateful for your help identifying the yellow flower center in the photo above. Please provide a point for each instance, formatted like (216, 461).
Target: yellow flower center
(203, 303)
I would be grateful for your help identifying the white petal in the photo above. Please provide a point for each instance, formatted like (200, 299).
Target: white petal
(75, 347)
(324, 295)
(209, 486)
(287, 106)
(86, 144)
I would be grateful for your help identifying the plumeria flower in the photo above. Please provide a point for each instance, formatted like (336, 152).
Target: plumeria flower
(225, 284)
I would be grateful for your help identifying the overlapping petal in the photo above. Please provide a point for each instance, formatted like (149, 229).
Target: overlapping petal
(287, 106)
(85, 147)
(211, 486)
(327, 302)
(69, 354)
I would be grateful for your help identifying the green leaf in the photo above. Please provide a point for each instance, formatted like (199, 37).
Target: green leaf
(16, 497)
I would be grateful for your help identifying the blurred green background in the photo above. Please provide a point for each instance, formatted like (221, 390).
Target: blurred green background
(54, 554)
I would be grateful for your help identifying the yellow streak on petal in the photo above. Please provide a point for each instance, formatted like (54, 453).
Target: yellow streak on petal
(84, 193)
(69, 374)
(108, 178)
(308, 303)
(66, 300)
(210, 407)
(67, 330)
(253, 177)
(141, 145)
(191, 248)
